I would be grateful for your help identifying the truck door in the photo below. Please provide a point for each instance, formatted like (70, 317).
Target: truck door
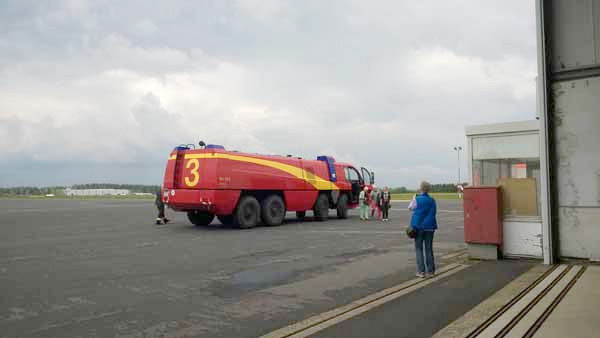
(354, 178)
(368, 176)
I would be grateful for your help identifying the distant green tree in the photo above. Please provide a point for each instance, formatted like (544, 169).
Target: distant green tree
(400, 190)
(439, 187)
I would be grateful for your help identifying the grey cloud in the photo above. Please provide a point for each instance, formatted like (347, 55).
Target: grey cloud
(387, 84)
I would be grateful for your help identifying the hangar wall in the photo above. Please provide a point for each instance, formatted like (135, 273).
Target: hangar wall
(569, 67)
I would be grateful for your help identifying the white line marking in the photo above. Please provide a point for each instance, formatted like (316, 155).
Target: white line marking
(454, 254)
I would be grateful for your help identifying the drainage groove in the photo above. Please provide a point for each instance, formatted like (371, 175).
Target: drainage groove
(508, 305)
(538, 323)
(529, 306)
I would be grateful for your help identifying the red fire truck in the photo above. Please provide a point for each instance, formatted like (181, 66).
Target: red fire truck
(244, 189)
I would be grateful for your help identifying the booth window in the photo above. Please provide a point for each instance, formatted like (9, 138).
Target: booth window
(519, 179)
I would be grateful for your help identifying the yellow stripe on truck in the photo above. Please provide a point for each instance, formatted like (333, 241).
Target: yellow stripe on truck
(318, 182)
(173, 157)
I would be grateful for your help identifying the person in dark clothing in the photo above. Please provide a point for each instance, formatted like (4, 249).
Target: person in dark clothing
(160, 219)
(384, 202)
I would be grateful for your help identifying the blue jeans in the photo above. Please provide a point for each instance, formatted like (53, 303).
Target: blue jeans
(428, 265)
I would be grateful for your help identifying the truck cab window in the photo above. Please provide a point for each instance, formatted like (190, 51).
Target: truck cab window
(353, 175)
(366, 176)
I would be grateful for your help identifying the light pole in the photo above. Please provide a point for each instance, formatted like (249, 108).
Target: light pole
(458, 149)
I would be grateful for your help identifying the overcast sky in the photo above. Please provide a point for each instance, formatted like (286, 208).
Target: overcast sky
(101, 91)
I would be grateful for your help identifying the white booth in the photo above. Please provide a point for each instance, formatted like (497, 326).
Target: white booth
(508, 155)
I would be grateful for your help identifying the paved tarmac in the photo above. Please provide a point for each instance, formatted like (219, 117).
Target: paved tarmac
(101, 268)
(422, 313)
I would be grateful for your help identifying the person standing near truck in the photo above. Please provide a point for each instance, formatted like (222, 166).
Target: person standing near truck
(384, 202)
(160, 219)
(363, 201)
(373, 198)
(378, 208)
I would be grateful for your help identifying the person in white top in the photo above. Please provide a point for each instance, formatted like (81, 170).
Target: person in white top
(363, 202)
(413, 203)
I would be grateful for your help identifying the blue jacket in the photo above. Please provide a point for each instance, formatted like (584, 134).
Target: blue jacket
(423, 217)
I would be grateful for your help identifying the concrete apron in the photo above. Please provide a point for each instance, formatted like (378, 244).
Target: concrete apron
(546, 301)
(317, 323)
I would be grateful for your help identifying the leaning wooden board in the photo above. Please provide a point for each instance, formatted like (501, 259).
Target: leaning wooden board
(519, 196)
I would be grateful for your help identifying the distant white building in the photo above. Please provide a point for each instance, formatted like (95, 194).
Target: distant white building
(96, 192)
(144, 194)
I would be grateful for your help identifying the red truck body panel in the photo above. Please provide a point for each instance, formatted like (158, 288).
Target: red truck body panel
(300, 200)
(213, 179)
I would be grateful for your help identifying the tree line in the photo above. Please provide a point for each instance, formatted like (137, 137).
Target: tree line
(25, 191)
(443, 187)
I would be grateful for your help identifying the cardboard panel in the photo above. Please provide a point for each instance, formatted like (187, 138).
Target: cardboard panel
(519, 196)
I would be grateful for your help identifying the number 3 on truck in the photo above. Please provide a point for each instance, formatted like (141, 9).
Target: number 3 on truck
(193, 165)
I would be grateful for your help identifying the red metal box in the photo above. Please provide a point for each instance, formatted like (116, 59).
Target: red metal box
(483, 215)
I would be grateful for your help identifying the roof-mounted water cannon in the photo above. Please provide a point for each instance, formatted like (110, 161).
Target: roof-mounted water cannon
(210, 146)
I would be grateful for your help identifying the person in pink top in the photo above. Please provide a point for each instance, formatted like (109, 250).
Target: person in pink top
(374, 203)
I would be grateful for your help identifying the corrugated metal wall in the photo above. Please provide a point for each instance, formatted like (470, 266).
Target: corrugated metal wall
(573, 55)
(574, 34)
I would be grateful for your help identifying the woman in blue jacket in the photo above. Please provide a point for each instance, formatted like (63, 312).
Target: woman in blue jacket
(424, 223)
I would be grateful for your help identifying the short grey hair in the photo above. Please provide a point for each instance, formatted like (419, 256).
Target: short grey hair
(425, 186)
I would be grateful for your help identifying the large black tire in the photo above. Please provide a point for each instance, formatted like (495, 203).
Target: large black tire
(321, 209)
(247, 213)
(226, 219)
(273, 210)
(342, 207)
(300, 215)
(200, 218)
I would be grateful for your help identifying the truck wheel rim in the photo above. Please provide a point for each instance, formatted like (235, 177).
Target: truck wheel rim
(276, 209)
(248, 212)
